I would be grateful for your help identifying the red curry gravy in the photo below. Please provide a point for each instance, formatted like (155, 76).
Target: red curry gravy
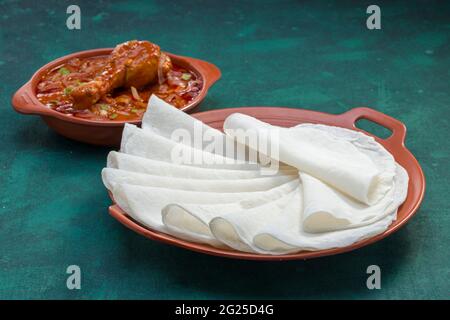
(179, 87)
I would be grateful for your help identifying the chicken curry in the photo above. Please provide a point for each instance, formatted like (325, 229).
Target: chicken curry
(117, 86)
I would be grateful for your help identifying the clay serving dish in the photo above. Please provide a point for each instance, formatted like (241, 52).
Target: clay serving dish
(286, 117)
(95, 131)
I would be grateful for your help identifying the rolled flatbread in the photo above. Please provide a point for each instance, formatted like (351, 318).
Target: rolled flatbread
(336, 162)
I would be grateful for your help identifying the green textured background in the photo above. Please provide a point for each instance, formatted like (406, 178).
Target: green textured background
(315, 55)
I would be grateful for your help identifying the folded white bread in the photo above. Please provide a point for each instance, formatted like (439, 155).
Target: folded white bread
(237, 229)
(336, 162)
(144, 204)
(278, 228)
(112, 176)
(189, 218)
(172, 123)
(147, 144)
(128, 162)
(328, 209)
(324, 208)
(334, 186)
(283, 233)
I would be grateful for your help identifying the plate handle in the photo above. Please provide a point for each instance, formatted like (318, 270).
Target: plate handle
(211, 72)
(24, 101)
(397, 128)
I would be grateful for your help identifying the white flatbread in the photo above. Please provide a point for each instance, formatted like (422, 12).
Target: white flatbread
(144, 204)
(120, 160)
(142, 143)
(349, 187)
(169, 122)
(318, 153)
(112, 176)
(277, 228)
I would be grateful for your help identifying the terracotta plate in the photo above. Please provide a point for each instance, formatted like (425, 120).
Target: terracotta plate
(100, 132)
(290, 117)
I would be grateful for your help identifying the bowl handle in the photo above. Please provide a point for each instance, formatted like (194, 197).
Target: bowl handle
(211, 72)
(24, 101)
(398, 129)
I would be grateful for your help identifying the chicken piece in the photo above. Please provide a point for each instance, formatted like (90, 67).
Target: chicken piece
(131, 64)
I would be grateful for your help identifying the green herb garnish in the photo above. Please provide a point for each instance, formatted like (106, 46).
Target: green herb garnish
(64, 71)
(134, 110)
(104, 106)
(67, 90)
(186, 76)
(113, 116)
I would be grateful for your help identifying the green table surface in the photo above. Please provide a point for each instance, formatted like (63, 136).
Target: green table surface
(315, 55)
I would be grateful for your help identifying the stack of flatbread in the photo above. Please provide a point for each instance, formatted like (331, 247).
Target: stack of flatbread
(331, 187)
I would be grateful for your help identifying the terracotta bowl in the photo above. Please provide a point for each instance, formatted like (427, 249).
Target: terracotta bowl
(286, 117)
(94, 131)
